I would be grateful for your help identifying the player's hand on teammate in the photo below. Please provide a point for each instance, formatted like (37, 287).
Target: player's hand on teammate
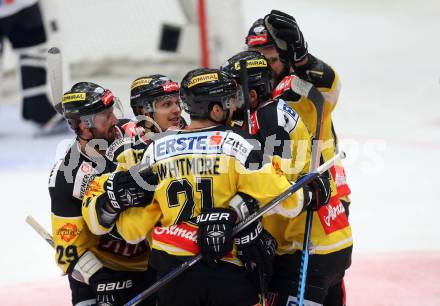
(256, 248)
(317, 193)
(287, 35)
(215, 232)
(124, 191)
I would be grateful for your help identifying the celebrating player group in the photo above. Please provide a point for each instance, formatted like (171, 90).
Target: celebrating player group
(136, 203)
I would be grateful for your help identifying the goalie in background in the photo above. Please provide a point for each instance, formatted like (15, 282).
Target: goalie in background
(22, 24)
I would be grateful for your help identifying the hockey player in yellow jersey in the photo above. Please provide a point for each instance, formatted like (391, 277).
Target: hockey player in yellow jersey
(156, 104)
(199, 170)
(279, 38)
(100, 269)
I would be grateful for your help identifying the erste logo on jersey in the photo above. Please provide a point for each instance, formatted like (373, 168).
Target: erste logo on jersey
(194, 143)
(215, 142)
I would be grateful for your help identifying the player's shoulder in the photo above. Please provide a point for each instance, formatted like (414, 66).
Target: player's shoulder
(286, 117)
(71, 175)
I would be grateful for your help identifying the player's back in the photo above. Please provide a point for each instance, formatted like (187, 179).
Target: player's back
(198, 170)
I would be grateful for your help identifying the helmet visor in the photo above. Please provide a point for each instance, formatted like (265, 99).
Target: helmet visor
(115, 108)
(233, 101)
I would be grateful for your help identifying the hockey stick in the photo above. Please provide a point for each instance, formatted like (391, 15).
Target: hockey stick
(307, 89)
(245, 87)
(55, 74)
(40, 230)
(242, 225)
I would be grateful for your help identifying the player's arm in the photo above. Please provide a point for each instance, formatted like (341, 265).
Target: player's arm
(111, 194)
(69, 231)
(259, 178)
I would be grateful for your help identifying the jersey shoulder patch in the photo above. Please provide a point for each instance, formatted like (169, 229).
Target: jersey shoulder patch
(117, 147)
(287, 118)
(237, 146)
(84, 175)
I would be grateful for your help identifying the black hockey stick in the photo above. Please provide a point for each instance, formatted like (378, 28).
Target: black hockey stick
(307, 89)
(242, 225)
(245, 88)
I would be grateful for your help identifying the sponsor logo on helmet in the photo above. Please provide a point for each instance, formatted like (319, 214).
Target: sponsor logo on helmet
(107, 98)
(73, 97)
(140, 82)
(170, 87)
(252, 64)
(256, 40)
(259, 29)
(68, 232)
(203, 79)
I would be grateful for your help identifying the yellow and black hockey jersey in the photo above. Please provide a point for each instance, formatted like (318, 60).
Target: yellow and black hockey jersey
(200, 169)
(69, 182)
(331, 230)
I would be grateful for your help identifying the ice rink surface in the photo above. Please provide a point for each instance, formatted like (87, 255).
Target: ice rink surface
(388, 119)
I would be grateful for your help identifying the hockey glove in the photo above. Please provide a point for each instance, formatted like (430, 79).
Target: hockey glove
(112, 287)
(214, 237)
(255, 246)
(317, 193)
(288, 38)
(124, 192)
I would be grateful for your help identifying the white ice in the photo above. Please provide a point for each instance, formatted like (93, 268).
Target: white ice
(388, 119)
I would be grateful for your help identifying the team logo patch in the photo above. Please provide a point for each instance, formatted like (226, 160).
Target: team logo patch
(203, 79)
(73, 97)
(68, 232)
(140, 82)
(252, 64)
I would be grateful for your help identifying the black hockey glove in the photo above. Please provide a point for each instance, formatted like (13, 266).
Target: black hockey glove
(123, 191)
(215, 232)
(288, 38)
(112, 287)
(256, 248)
(317, 193)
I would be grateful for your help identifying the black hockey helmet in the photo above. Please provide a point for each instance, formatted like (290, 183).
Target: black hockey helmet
(86, 98)
(145, 90)
(258, 70)
(203, 87)
(258, 36)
